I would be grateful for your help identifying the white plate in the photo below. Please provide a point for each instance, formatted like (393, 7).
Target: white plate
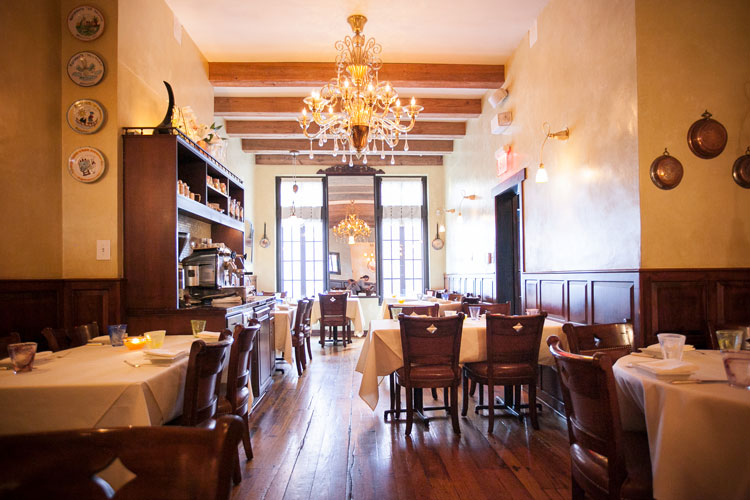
(85, 116)
(86, 23)
(86, 164)
(85, 69)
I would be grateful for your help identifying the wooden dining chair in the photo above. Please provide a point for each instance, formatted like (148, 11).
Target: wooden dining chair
(236, 400)
(298, 336)
(306, 327)
(455, 297)
(82, 334)
(202, 381)
(168, 462)
(606, 462)
(512, 360)
(487, 307)
(11, 338)
(430, 348)
(615, 339)
(57, 338)
(333, 315)
(432, 310)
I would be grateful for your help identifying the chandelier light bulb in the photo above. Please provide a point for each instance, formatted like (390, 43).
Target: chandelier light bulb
(541, 174)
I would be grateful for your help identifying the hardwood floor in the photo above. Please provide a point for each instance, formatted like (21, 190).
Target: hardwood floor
(313, 437)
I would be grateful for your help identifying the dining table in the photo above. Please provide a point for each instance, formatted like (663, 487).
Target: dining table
(353, 312)
(95, 385)
(444, 305)
(698, 434)
(381, 352)
(283, 322)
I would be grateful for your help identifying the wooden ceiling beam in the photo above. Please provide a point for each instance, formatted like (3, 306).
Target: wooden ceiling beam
(265, 129)
(291, 107)
(283, 146)
(317, 74)
(326, 160)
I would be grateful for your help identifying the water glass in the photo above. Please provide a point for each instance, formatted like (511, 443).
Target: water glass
(156, 338)
(444, 296)
(22, 356)
(395, 311)
(474, 312)
(197, 325)
(117, 334)
(737, 366)
(729, 340)
(671, 345)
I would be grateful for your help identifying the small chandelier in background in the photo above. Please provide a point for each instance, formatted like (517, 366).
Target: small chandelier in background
(351, 228)
(293, 216)
(355, 109)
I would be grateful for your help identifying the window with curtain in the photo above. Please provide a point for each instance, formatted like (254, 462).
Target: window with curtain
(301, 245)
(402, 247)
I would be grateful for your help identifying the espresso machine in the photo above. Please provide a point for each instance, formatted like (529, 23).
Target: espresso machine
(210, 272)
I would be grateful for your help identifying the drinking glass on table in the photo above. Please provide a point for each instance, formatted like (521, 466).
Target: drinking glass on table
(474, 312)
(395, 311)
(156, 338)
(671, 345)
(197, 325)
(22, 356)
(737, 367)
(117, 334)
(729, 340)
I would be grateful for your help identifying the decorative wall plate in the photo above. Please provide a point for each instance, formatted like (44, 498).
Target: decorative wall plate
(86, 69)
(86, 116)
(86, 164)
(666, 171)
(741, 170)
(707, 137)
(86, 23)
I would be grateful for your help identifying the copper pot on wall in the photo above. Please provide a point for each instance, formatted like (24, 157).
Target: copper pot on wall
(707, 137)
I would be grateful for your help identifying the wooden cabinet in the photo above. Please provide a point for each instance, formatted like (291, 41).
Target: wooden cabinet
(264, 355)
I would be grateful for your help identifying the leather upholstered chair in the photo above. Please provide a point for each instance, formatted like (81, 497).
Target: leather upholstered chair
(202, 381)
(333, 315)
(433, 310)
(430, 349)
(11, 338)
(168, 462)
(615, 339)
(512, 360)
(487, 307)
(606, 462)
(57, 338)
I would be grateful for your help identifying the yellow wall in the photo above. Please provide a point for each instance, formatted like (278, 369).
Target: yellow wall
(30, 197)
(580, 74)
(696, 57)
(264, 202)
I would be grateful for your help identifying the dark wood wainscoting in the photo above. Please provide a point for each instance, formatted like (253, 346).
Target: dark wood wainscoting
(480, 285)
(27, 306)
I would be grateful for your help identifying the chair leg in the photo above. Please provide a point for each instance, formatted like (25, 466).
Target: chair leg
(517, 402)
(434, 393)
(465, 382)
(237, 475)
(398, 399)
(302, 353)
(246, 438)
(577, 493)
(446, 399)
(472, 388)
(409, 410)
(322, 336)
(491, 405)
(309, 350)
(454, 407)
(532, 406)
(298, 361)
(481, 394)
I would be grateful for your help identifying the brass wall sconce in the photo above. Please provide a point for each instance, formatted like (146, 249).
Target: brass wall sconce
(561, 135)
(464, 196)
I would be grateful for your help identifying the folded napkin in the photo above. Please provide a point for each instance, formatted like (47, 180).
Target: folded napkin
(657, 348)
(165, 353)
(43, 355)
(104, 339)
(208, 335)
(668, 367)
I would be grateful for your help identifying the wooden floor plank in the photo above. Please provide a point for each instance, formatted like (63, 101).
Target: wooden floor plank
(314, 438)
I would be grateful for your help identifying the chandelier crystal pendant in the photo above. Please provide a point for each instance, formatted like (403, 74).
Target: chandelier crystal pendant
(351, 228)
(355, 108)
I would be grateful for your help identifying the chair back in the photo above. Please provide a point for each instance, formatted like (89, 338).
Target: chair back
(238, 371)
(79, 336)
(431, 341)
(591, 409)
(616, 339)
(457, 297)
(305, 321)
(487, 307)
(202, 381)
(332, 306)
(298, 329)
(65, 464)
(514, 339)
(57, 338)
(12, 338)
(432, 310)
(471, 300)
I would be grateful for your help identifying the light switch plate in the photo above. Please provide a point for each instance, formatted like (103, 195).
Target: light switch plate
(102, 250)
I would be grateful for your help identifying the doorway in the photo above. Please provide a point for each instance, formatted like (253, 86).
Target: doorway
(508, 247)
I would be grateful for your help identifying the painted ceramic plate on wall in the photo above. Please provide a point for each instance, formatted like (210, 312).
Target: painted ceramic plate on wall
(85, 116)
(86, 164)
(85, 69)
(86, 23)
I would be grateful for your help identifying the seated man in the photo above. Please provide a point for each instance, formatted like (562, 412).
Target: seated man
(353, 286)
(364, 285)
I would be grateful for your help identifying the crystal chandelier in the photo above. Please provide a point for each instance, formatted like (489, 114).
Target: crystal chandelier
(355, 109)
(351, 228)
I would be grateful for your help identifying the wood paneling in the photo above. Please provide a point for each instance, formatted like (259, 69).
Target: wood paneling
(267, 129)
(317, 74)
(578, 302)
(531, 293)
(612, 301)
(552, 298)
(733, 297)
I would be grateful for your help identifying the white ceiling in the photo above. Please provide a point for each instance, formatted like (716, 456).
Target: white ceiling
(425, 31)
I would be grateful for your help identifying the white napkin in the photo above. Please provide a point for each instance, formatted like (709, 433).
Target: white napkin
(657, 348)
(43, 355)
(209, 335)
(104, 339)
(668, 367)
(165, 353)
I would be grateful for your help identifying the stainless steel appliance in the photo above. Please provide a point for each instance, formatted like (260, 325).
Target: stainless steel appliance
(213, 267)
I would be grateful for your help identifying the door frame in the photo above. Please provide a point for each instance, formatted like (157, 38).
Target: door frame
(511, 187)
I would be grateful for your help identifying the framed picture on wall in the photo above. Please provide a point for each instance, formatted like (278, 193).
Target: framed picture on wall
(334, 262)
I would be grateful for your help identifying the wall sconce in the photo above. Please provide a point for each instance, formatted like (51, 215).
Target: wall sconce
(561, 135)
(464, 196)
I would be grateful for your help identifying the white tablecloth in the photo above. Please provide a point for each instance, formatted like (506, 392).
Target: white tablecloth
(381, 351)
(91, 386)
(353, 312)
(699, 435)
(445, 305)
(283, 322)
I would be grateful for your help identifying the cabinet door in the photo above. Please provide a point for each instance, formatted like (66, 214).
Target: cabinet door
(234, 320)
(265, 348)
